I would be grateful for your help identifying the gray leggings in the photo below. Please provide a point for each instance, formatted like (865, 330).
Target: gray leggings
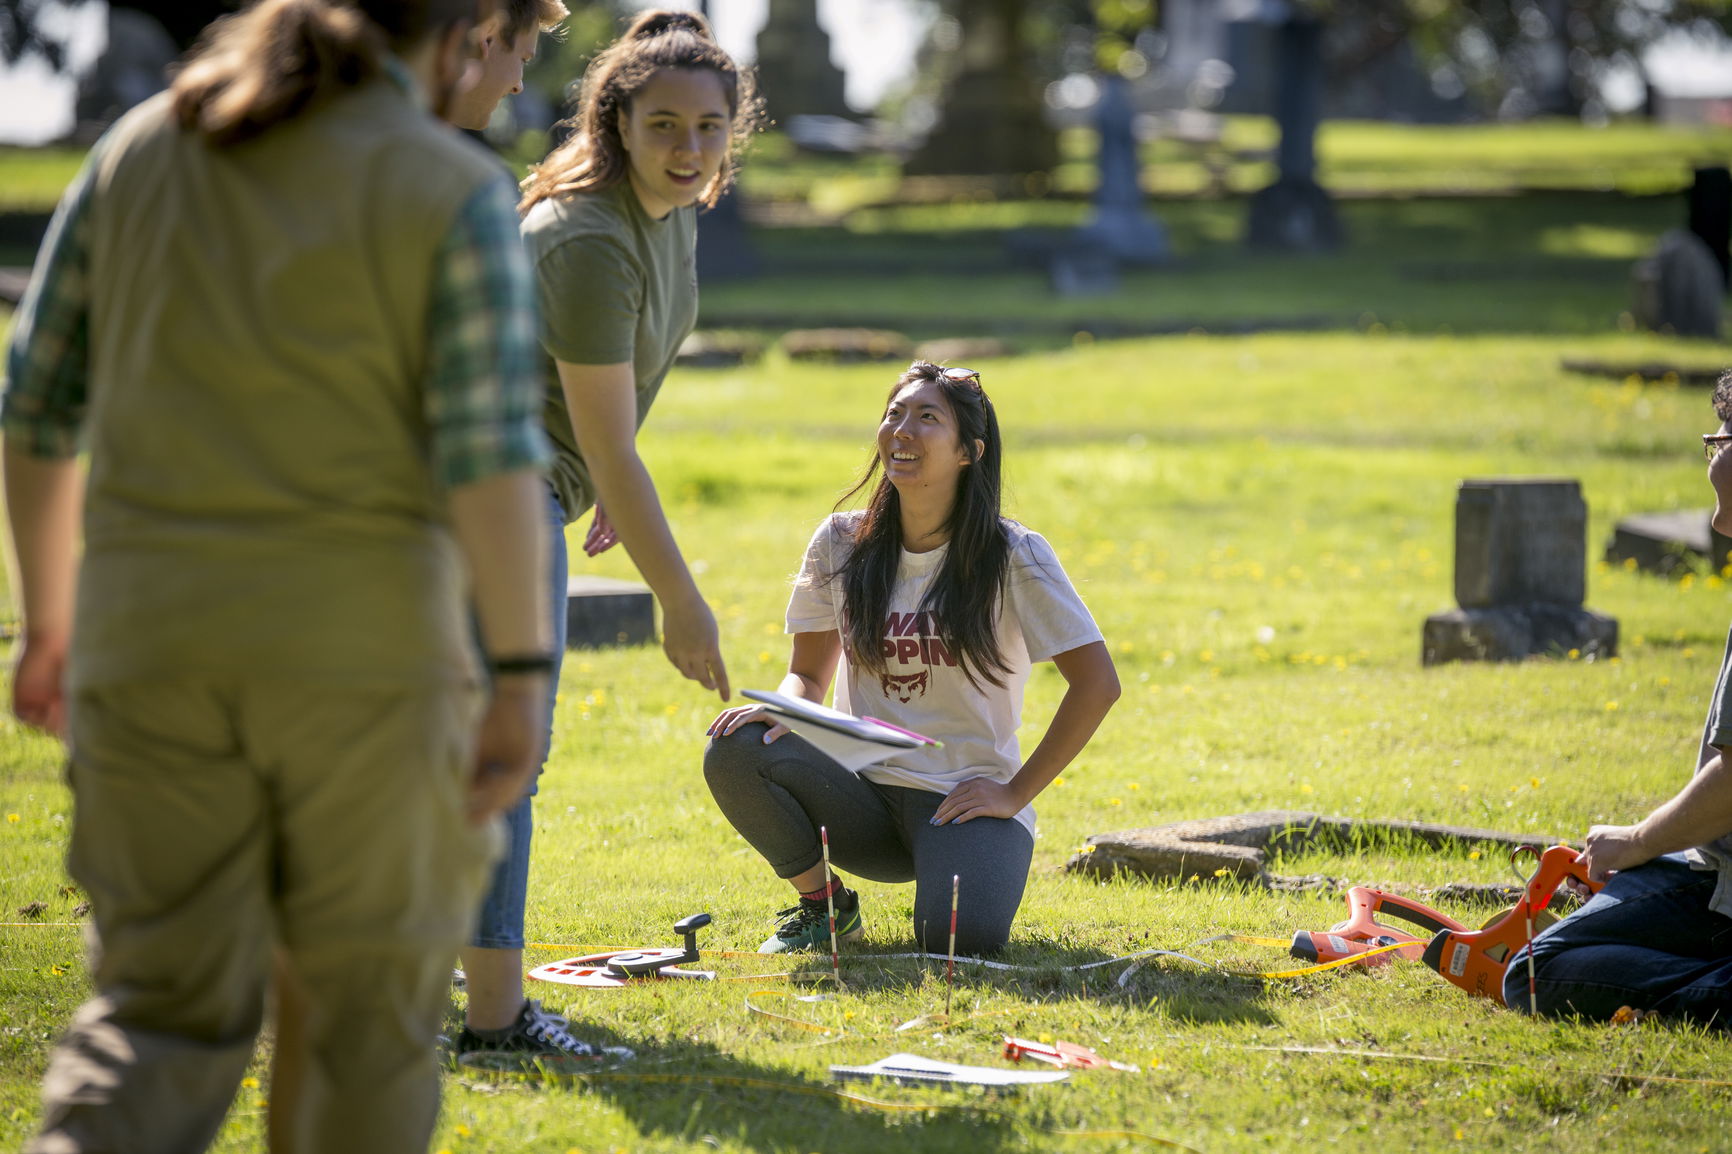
(777, 796)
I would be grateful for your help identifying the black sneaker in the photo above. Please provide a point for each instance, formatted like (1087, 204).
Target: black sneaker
(807, 925)
(537, 1035)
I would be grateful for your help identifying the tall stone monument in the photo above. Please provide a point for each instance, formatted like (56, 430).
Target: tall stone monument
(1122, 228)
(794, 67)
(1295, 212)
(1520, 576)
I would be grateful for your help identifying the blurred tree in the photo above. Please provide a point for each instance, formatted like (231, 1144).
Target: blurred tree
(989, 115)
(1515, 57)
(986, 67)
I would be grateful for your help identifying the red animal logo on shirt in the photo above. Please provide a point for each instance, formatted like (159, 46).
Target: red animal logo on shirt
(904, 687)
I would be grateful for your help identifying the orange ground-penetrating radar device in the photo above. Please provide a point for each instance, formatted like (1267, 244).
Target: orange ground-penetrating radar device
(1475, 960)
(1361, 931)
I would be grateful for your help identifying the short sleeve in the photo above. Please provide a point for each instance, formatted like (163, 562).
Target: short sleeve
(815, 604)
(591, 290)
(1047, 606)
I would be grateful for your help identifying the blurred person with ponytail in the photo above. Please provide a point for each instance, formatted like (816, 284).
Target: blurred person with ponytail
(610, 223)
(286, 312)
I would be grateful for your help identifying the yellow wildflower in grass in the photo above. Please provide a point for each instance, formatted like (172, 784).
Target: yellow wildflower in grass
(1686, 581)
(1472, 855)
(1059, 780)
(1462, 787)
(1611, 707)
(1222, 872)
(672, 709)
(12, 819)
(1133, 785)
(1114, 801)
(1305, 787)
(250, 1083)
(462, 1130)
(764, 657)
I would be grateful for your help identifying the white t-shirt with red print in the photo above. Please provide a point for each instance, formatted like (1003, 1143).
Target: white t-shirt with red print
(923, 688)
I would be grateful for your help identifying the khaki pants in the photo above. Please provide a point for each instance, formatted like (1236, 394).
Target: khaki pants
(217, 822)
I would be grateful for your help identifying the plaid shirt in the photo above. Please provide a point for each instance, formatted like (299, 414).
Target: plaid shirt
(483, 390)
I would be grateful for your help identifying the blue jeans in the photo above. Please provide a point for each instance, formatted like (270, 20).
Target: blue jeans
(500, 926)
(1647, 940)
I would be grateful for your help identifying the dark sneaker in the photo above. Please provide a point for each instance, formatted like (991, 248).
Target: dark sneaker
(807, 925)
(537, 1035)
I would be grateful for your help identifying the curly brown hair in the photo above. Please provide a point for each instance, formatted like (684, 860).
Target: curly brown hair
(1723, 397)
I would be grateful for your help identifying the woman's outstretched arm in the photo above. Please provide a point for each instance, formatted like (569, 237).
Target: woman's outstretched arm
(1092, 687)
(603, 404)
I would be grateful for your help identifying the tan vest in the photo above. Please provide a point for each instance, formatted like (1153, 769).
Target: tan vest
(261, 501)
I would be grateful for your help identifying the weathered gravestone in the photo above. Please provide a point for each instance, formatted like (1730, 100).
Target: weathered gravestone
(1679, 288)
(1520, 576)
(604, 611)
(1678, 541)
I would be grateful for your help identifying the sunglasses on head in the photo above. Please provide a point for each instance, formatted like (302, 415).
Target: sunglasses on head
(961, 376)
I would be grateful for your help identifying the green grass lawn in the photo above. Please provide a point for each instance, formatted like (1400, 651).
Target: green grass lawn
(1261, 525)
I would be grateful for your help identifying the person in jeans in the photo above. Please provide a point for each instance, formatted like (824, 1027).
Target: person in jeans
(610, 222)
(934, 606)
(1658, 937)
(285, 311)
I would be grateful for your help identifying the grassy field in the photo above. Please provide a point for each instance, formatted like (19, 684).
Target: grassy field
(1261, 524)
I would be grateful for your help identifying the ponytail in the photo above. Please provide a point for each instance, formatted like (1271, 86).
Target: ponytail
(267, 63)
(594, 157)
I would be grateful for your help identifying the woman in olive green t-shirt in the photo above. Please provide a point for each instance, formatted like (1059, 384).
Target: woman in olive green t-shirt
(610, 221)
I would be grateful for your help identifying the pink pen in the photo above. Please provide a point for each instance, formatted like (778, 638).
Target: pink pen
(920, 737)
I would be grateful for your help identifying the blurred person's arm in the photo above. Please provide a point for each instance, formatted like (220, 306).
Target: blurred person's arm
(41, 415)
(483, 410)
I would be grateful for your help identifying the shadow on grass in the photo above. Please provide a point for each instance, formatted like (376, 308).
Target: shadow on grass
(693, 1092)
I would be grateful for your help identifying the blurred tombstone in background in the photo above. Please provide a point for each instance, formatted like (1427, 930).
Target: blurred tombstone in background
(1680, 288)
(1121, 231)
(1294, 212)
(795, 72)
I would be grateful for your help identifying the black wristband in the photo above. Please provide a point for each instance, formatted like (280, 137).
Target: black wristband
(527, 663)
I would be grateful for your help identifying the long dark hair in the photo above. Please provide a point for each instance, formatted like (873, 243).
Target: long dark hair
(265, 64)
(594, 157)
(965, 597)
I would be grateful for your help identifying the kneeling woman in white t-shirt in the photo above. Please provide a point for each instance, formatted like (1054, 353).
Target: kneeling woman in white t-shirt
(936, 606)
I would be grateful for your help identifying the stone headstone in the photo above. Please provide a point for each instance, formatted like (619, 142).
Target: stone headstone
(1520, 576)
(1678, 289)
(1677, 541)
(1520, 539)
(604, 611)
(794, 67)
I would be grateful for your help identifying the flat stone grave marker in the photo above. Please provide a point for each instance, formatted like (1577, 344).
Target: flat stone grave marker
(1669, 542)
(605, 611)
